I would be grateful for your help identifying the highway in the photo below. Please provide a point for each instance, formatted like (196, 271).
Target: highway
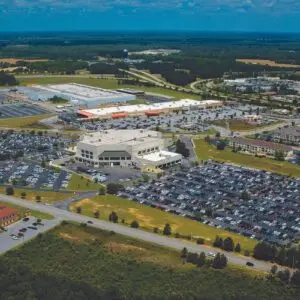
(173, 243)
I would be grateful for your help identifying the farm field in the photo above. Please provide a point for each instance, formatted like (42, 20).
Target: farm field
(110, 83)
(149, 218)
(23, 211)
(46, 196)
(205, 151)
(266, 62)
(85, 263)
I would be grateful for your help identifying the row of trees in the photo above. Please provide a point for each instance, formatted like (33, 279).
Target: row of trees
(285, 275)
(7, 79)
(218, 262)
(227, 244)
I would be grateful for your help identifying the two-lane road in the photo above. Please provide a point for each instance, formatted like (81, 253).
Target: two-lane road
(137, 233)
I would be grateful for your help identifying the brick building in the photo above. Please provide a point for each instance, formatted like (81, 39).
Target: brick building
(8, 215)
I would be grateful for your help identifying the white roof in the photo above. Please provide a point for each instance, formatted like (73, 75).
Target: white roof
(159, 156)
(79, 91)
(144, 107)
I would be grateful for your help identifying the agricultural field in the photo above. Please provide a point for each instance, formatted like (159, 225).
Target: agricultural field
(85, 263)
(110, 83)
(23, 212)
(205, 151)
(266, 62)
(13, 61)
(149, 218)
(46, 196)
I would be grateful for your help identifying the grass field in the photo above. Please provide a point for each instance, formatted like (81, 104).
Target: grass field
(239, 125)
(205, 151)
(149, 218)
(46, 196)
(23, 122)
(79, 183)
(23, 210)
(103, 83)
(15, 60)
(266, 62)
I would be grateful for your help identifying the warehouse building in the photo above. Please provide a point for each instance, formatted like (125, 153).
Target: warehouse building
(151, 109)
(79, 95)
(125, 148)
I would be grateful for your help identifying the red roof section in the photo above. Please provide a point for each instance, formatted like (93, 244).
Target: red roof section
(85, 113)
(7, 211)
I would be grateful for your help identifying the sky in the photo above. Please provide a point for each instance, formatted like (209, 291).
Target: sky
(164, 15)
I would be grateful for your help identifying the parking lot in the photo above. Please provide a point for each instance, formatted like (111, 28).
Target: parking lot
(193, 121)
(255, 203)
(20, 110)
(35, 146)
(13, 237)
(32, 175)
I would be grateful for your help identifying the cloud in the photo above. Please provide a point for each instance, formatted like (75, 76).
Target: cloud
(263, 6)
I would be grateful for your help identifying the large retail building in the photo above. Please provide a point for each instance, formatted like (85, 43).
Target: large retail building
(140, 148)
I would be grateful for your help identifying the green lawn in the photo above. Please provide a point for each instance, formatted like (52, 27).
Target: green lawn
(205, 151)
(23, 210)
(149, 218)
(79, 183)
(46, 196)
(23, 122)
(105, 83)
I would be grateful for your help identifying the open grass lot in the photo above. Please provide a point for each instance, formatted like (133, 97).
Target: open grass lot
(23, 122)
(205, 151)
(239, 125)
(23, 210)
(110, 83)
(79, 183)
(46, 196)
(85, 263)
(149, 218)
(266, 62)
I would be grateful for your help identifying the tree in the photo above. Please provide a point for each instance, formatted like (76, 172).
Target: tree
(38, 198)
(192, 258)
(102, 190)
(200, 241)
(284, 275)
(274, 269)
(9, 191)
(220, 261)
(184, 253)
(114, 188)
(237, 248)
(167, 229)
(228, 244)
(218, 242)
(264, 251)
(295, 279)
(182, 149)
(97, 214)
(201, 259)
(23, 195)
(78, 209)
(134, 224)
(281, 257)
(279, 154)
(113, 217)
(155, 230)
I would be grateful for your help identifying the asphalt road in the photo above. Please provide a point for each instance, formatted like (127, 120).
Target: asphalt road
(136, 233)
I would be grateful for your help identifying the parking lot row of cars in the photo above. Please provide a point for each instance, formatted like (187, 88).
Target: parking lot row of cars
(35, 146)
(255, 203)
(32, 175)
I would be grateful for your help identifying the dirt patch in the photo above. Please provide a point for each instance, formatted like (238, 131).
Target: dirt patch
(146, 220)
(83, 202)
(266, 62)
(118, 247)
(15, 60)
(69, 237)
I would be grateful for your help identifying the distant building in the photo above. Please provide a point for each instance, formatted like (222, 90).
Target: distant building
(253, 119)
(258, 146)
(8, 215)
(141, 148)
(287, 135)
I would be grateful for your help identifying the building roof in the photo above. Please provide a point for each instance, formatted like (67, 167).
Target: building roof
(184, 103)
(7, 211)
(128, 137)
(159, 156)
(260, 143)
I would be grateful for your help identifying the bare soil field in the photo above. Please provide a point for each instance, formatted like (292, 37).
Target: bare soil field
(15, 60)
(266, 62)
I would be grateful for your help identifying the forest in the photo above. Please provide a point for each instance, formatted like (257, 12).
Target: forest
(79, 262)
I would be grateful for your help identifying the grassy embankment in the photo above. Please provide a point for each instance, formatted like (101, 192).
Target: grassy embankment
(205, 151)
(24, 122)
(85, 263)
(149, 218)
(79, 183)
